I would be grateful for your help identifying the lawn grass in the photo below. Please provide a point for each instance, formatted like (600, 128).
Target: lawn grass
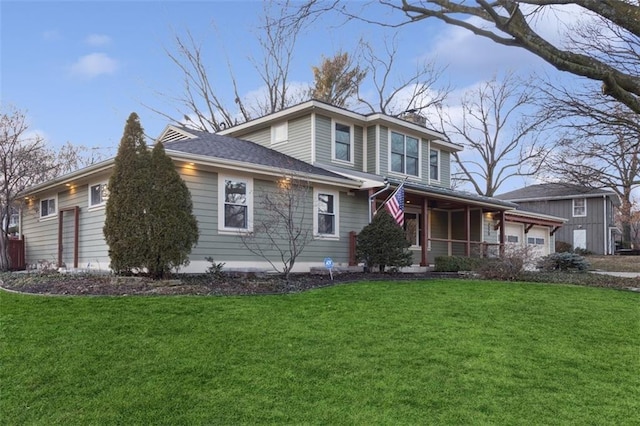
(432, 352)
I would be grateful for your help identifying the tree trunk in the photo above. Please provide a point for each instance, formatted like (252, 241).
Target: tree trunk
(4, 252)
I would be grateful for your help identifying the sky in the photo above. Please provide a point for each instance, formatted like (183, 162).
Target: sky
(79, 68)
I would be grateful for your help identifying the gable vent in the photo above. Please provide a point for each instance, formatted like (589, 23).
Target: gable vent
(173, 135)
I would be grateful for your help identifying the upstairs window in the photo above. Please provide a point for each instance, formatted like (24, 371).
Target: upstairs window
(279, 133)
(405, 154)
(342, 142)
(579, 207)
(48, 207)
(434, 164)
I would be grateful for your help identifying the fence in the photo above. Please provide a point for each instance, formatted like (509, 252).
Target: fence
(16, 254)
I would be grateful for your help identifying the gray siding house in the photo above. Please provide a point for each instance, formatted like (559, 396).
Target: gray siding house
(351, 163)
(590, 213)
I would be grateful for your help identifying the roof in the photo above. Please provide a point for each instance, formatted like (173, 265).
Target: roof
(557, 191)
(229, 148)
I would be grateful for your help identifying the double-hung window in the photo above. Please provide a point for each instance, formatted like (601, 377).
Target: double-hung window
(235, 205)
(405, 154)
(326, 213)
(579, 207)
(279, 133)
(342, 142)
(48, 208)
(434, 163)
(97, 195)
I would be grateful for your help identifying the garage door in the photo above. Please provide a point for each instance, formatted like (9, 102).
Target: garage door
(538, 237)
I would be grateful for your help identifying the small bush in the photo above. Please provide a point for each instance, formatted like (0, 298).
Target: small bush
(582, 251)
(563, 247)
(509, 265)
(563, 262)
(215, 270)
(458, 263)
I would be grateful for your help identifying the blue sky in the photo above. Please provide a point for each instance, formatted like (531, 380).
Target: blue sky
(80, 68)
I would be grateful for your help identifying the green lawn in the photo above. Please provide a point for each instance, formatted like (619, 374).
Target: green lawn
(432, 352)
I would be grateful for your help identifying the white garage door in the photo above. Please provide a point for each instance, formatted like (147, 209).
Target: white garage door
(538, 237)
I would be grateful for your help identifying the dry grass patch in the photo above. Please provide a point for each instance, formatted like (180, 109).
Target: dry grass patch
(615, 263)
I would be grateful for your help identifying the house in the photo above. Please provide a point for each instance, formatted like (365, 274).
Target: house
(352, 163)
(589, 212)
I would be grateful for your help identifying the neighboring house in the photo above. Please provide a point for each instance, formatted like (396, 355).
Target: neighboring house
(589, 212)
(351, 161)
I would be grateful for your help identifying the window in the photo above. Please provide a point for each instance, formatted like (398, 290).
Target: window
(48, 207)
(279, 133)
(512, 239)
(96, 194)
(434, 163)
(405, 153)
(326, 213)
(579, 207)
(535, 241)
(14, 220)
(235, 204)
(342, 143)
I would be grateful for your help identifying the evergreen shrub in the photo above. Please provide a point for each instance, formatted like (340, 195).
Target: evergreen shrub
(383, 244)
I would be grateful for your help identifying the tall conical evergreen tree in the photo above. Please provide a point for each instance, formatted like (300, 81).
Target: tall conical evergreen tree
(383, 243)
(173, 227)
(126, 225)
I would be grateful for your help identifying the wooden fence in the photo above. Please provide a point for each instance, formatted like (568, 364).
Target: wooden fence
(16, 254)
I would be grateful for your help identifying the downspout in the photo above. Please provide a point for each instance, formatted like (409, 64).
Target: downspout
(371, 197)
(604, 220)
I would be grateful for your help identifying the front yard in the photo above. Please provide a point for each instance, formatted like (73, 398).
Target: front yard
(414, 352)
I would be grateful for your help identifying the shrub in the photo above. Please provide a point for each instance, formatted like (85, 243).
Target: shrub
(563, 262)
(458, 263)
(509, 265)
(383, 243)
(215, 270)
(563, 247)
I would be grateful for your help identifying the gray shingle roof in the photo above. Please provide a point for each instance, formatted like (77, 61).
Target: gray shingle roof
(229, 148)
(552, 190)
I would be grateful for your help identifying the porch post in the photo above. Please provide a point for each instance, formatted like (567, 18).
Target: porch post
(424, 259)
(76, 232)
(467, 228)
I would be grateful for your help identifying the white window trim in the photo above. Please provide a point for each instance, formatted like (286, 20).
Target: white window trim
(49, 216)
(439, 165)
(336, 211)
(389, 163)
(573, 207)
(100, 205)
(274, 133)
(221, 188)
(333, 142)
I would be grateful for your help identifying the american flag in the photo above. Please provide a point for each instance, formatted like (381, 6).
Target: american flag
(395, 206)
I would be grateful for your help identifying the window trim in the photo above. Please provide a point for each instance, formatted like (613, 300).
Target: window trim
(336, 214)
(102, 203)
(390, 151)
(248, 181)
(50, 215)
(437, 151)
(573, 207)
(274, 132)
(334, 123)
(414, 244)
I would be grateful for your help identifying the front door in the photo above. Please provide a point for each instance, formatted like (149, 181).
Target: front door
(580, 239)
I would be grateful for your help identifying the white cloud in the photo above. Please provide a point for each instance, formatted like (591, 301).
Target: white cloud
(97, 40)
(93, 65)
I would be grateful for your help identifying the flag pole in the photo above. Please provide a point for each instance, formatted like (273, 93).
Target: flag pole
(392, 194)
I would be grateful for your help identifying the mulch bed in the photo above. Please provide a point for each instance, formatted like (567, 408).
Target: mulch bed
(250, 284)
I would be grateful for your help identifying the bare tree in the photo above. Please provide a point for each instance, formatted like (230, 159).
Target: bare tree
(500, 139)
(337, 79)
(394, 96)
(283, 229)
(202, 103)
(599, 142)
(511, 23)
(25, 161)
